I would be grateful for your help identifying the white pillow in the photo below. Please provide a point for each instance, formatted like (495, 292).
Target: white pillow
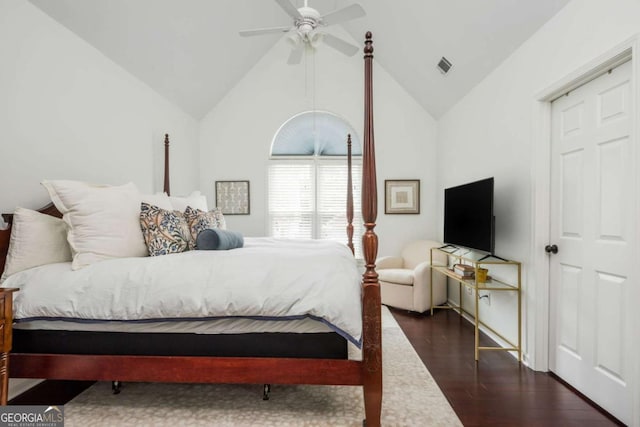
(104, 221)
(160, 200)
(36, 239)
(195, 200)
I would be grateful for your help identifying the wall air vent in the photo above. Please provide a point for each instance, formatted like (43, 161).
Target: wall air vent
(444, 65)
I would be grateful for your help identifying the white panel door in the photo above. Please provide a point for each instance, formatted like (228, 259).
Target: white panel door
(593, 222)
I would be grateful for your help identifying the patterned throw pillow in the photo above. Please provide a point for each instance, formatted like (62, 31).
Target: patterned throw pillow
(199, 220)
(165, 232)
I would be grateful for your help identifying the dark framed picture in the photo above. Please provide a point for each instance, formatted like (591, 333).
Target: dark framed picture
(232, 197)
(402, 196)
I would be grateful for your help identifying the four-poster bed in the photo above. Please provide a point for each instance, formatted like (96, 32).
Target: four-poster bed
(270, 369)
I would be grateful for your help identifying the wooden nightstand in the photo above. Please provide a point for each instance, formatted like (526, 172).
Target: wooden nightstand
(6, 321)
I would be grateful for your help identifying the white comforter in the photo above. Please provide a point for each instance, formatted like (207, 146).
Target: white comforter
(267, 279)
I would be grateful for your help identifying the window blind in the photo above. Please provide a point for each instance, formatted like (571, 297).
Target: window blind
(309, 200)
(291, 200)
(332, 203)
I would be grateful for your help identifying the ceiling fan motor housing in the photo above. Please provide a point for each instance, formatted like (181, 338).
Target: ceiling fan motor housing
(308, 22)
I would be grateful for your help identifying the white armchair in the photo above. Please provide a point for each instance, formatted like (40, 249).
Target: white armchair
(405, 279)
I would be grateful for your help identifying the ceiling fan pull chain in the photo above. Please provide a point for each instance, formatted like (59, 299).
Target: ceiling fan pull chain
(306, 73)
(313, 81)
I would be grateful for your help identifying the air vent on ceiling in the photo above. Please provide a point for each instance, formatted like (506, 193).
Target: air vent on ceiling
(444, 65)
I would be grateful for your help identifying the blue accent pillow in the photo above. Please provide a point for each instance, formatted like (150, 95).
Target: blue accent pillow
(216, 239)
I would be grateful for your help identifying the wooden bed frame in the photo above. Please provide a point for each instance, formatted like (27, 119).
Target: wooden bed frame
(366, 373)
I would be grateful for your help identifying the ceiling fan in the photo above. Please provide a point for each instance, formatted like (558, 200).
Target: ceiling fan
(306, 29)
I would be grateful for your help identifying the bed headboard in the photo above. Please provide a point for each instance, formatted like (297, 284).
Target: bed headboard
(4, 247)
(50, 209)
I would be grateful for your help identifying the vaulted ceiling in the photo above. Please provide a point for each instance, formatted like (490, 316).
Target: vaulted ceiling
(190, 52)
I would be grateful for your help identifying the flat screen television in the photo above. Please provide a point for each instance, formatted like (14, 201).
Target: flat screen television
(468, 215)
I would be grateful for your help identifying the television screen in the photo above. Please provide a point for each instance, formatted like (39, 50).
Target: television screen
(468, 215)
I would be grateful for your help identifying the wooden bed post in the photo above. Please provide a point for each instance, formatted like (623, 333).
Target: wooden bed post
(349, 198)
(166, 188)
(372, 331)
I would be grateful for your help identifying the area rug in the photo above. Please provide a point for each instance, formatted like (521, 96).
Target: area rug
(410, 398)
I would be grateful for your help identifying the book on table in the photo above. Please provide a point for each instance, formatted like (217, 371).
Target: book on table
(464, 270)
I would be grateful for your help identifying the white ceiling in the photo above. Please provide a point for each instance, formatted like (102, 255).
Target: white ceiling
(190, 51)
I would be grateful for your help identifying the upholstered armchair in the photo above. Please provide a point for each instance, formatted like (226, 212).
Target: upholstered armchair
(405, 279)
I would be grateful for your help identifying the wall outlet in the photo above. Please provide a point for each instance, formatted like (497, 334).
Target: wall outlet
(469, 290)
(485, 297)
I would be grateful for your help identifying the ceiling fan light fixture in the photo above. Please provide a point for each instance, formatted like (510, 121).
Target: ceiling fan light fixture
(294, 38)
(314, 38)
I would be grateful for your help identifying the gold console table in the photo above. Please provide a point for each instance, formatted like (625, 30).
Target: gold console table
(491, 284)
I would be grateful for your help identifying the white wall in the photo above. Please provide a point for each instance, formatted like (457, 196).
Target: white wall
(490, 132)
(67, 111)
(235, 137)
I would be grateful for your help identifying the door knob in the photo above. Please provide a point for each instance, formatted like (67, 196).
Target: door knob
(551, 249)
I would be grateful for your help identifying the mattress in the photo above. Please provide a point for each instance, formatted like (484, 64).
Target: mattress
(322, 345)
(219, 326)
(301, 338)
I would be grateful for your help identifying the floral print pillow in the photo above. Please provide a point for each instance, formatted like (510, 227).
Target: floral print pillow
(199, 220)
(165, 232)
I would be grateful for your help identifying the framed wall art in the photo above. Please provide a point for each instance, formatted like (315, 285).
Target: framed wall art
(232, 197)
(402, 196)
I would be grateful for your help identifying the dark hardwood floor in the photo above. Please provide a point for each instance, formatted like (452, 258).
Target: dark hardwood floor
(51, 392)
(497, 390)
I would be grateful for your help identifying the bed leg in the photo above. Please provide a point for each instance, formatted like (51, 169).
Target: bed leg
(372, 404)
(115, 387)
(372, 352)
(265, 391)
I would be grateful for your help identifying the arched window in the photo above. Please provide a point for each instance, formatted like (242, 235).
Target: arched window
(307, 188)
(315, 133)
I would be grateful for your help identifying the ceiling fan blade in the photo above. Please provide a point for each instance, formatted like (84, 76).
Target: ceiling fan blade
(340, 45)
(295, 57)
(260, 31)
(289, 8)
(345, 14)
